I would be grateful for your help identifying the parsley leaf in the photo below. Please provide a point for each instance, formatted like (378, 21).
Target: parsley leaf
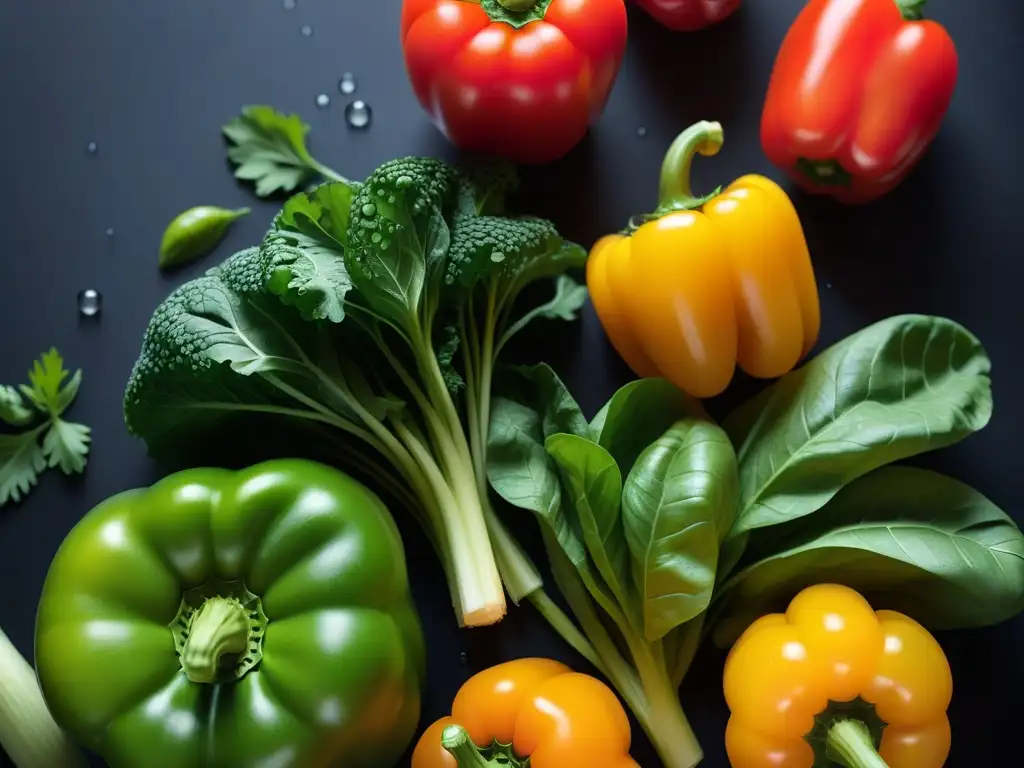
(13, 410)
(269, 149)
(64, 444)
(21, 461)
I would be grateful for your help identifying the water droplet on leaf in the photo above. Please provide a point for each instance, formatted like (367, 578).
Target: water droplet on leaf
(369, 210)
(497, 257)
(89, 302)
(347, 84)
(376, 237)
(358, 114)
(323, 101)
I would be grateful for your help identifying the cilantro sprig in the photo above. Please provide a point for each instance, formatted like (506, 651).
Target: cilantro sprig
(268, 148)
(52, 443)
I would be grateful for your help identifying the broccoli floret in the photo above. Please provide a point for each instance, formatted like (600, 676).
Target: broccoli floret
(497, 247)
(484, 186)
(399, 195)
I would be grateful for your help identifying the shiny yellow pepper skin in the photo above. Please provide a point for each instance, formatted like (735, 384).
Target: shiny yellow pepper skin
(704, 284)
(800, 686)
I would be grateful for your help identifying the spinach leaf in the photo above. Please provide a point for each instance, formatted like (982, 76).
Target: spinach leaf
(903, 386)
(594, 486)
(908, 539)
(530, 405)
(678, 504)
(637, 415)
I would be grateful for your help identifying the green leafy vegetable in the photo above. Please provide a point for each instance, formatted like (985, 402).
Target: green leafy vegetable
(900, 387)
(269, 149)
(64, 444)
(13, 410)
(910, 539)
(615, 551)
(195, 232)
(678, 504)
(359, 313)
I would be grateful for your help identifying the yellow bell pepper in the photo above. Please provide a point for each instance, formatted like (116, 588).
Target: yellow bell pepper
(833, 680)
(706, 283)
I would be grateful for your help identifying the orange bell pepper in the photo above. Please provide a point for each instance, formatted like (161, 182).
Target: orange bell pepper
(530, 709)
(833, 679)
(706, 283)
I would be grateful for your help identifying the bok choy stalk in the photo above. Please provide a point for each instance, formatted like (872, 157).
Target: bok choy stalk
(28, 733)
(353, 315)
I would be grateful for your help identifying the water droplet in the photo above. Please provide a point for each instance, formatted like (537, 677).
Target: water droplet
(391, 199)
(641, 131)
(497, 257)
(347, 84)
(110, 231)
(376, 237)
(369, 210)
(358, 114)
(385, 244)
(381, 191)
(323, 101)
(289, 5)
(464, 658)
(92, 147)
(307, 31)
(828, 285)
(89, 302)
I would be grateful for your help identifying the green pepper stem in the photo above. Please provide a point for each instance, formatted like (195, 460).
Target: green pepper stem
(517, 6)
(219, 630)
(849, 744)
(456, 740)
(675, 192)
(912, 10)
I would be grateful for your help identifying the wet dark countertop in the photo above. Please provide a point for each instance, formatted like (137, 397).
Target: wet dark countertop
(152, 82)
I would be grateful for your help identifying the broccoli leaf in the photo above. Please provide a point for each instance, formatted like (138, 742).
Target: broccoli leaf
(205, 334)
(21, 461)
(569, 297)
(305, 252)
(13, 410)
(399, 238)
(269, 149)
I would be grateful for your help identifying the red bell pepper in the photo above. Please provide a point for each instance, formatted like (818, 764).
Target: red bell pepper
(688, 15)
(522, 79)
(859, 90)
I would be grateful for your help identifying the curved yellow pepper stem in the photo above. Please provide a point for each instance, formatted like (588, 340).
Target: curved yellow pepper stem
(674, 192)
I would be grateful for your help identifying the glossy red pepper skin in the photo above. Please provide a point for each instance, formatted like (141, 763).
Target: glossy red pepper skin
(689, 15)
(858, 93)
(527, 93)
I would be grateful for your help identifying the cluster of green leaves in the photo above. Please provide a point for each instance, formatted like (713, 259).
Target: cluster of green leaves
(662, 526)
(52, 443)
(376, 309)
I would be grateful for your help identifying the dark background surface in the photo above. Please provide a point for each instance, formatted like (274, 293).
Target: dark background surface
(152, 82)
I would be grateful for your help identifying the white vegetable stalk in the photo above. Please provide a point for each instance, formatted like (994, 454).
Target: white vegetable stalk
(27, 731)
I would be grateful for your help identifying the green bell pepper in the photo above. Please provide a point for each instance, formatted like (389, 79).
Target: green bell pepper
(223, 619)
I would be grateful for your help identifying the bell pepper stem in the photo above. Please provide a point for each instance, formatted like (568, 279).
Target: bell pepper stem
(455, 739)
(517, 6)
(849, 744)
(912, 10)
(219, 630)
(675, 192)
